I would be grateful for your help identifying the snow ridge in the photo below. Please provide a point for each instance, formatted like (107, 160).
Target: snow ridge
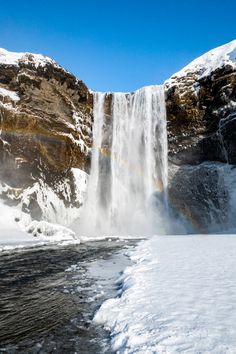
(14, 58)
(208, 62)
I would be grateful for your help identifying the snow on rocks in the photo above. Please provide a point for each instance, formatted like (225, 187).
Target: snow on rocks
(46, 230)
(18, 227)
(18, 230)
(81, 183)
(207, 63)
(7, 93)
(53, 207)
(13, 58)
(178, 296)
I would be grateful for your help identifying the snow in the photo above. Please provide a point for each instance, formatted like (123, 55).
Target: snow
(46, 230)
(178, 296)
(81, 182)
(53, 208)
(11, 234)
(7, 93)
(18, 230)
(57, 218)
(12, 58)
(208, 62)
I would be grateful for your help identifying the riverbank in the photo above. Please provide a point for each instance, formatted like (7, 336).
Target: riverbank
(49, 295)
(178, 296)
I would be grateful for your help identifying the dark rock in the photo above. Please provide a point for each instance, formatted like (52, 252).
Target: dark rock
(202, 195)
(201, 114)
(196, 108)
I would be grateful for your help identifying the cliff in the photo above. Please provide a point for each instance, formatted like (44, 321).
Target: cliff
(201, 101)
(201, 111)
(45, 140)
(46, 137)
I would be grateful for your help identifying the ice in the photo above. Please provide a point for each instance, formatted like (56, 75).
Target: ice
(46, 230)
(81, 182)
(178, 296)
(17, 230)
(52, 206)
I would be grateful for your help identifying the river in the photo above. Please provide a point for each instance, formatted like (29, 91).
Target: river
(49, 295)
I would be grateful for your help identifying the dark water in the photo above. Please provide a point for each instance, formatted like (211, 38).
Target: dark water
(48, 297)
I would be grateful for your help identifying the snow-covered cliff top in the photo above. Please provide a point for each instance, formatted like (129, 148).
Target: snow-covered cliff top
(208, 62)
(13, 58)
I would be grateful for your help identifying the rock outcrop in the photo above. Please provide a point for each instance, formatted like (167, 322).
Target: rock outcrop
(201, 112)
(46, 133)
(201, 106)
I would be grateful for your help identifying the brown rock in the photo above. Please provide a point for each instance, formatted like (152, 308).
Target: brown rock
(48, 129)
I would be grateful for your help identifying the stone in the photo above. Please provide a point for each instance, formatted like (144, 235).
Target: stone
(46, 127)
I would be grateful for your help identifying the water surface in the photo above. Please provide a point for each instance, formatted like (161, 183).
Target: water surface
(49, 296)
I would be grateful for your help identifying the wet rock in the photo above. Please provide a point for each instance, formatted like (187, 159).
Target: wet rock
(202, 194)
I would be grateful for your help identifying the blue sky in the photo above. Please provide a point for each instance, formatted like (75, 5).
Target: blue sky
(118, 45)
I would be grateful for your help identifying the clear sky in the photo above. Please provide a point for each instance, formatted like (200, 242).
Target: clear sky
(118, 45)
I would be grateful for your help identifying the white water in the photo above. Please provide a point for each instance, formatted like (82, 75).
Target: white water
(129, 164)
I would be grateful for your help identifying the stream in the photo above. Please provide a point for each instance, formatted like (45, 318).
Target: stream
(49, 295)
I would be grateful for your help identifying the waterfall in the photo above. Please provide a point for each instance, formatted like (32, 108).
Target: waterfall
(129, 163)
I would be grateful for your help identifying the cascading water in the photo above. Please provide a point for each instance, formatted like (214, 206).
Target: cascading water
(129, 164)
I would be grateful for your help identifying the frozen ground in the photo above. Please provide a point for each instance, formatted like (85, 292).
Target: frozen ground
(178, 297)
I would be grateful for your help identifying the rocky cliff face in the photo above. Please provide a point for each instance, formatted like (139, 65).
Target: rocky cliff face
(45, 135)
(201, 112)
(201, 102)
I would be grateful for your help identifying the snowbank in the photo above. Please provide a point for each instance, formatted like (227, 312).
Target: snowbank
(17, 230)
(179, 296)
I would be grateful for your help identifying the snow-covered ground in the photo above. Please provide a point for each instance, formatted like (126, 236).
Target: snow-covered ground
(18, 230)
(179, 296)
